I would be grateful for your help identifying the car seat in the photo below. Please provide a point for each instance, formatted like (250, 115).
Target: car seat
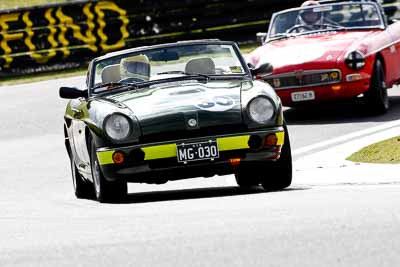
(110, 74)
(200, 65)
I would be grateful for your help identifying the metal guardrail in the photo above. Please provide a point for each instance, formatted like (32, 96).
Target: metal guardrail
(62, 36)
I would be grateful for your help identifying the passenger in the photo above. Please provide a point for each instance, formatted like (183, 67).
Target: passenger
(135, 69)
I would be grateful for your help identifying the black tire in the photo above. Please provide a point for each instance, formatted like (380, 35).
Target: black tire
(246, 179)
(82, 189)
(105, 191)
(376, 98)
(278, 175)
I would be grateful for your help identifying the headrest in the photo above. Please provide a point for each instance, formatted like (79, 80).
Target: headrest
(110, 74)
(200, 65)
(136, 67)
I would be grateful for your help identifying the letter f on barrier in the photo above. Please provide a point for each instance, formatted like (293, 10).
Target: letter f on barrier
(7, 36)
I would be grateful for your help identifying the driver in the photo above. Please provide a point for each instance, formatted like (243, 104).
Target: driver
(308, 17)
(135, 69)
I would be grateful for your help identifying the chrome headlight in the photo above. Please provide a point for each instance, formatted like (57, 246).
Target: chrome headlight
(355, 60)
(117, 126)
(261, 110)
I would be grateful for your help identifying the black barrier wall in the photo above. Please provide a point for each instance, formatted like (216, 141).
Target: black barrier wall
(62, 36)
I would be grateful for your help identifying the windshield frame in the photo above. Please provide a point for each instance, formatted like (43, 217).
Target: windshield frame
(245, 74)
(382, 26)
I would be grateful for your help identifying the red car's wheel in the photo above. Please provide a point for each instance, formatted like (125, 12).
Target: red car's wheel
(376, 98)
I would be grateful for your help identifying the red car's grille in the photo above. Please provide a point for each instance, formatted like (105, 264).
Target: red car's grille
(303, 79)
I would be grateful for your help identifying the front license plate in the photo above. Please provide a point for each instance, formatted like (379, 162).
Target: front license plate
(303, 96)
(197, 151)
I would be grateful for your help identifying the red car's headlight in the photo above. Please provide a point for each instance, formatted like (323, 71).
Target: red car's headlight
(355, 60)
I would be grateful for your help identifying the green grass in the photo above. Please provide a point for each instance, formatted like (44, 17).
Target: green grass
(37, 77)
(247, 48)
(6, 4)
(387, 151)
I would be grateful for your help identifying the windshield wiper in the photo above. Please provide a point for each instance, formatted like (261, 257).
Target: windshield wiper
(114, 87)
(207, 77)
(279, 36)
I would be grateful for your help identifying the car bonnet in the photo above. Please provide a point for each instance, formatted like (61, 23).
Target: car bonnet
(308, 51)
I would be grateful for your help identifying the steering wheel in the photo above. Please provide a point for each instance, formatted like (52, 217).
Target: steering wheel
(297, 27)
(131, 80)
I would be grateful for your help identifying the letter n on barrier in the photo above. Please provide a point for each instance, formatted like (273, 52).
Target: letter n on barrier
(7, 36)
(67, 22)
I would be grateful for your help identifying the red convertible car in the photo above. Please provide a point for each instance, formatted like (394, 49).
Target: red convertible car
(326, 51)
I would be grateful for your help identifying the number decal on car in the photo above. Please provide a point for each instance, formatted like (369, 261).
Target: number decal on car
(217, 103)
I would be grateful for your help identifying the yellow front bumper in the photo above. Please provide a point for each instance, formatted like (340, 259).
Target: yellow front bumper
(169, 150)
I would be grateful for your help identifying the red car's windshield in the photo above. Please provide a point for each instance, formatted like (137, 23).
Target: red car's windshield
(326, 17)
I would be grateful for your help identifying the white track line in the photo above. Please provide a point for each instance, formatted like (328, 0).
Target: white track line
(346, 137)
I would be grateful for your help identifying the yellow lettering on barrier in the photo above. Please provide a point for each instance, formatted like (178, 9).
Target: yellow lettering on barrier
(67, 22)
(61, 36)
(99, 7)
(38, 57)
(52, 22)
(4, 20)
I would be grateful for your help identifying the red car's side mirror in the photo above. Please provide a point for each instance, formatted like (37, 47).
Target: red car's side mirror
(263, 70)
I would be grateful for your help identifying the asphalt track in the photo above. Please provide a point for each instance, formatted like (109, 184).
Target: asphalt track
(197, 222)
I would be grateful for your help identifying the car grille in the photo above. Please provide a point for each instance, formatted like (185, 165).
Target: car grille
(304, 78)
(224, 156)
(186, 134)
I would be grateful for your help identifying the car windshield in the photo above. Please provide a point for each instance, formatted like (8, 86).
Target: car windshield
(335, 16)
(199, 61)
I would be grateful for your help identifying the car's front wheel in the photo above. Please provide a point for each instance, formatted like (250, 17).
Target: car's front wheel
(278, 175)
(82, 189)
(376, 98)
(105, 191)
(246, 179)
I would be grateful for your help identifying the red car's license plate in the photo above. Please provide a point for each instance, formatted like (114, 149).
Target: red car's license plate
(303, 96)
(197, 151)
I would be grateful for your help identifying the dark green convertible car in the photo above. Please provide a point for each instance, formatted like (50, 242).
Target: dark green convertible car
(174, 111)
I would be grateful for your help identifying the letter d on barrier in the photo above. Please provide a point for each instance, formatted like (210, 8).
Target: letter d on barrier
(102, 24)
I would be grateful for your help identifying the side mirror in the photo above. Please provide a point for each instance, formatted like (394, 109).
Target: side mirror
(261, 36)
(263, 70)
(72, 93)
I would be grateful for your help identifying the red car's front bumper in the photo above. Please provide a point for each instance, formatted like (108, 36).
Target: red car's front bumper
(340, 91)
